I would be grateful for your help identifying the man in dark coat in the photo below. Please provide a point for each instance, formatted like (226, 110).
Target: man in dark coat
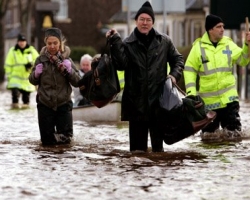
(144, 57)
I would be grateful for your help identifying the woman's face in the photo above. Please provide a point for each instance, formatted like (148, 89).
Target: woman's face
(53, 45)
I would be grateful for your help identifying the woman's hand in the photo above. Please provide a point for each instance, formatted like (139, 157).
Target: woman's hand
(38, 70)
(67, 64)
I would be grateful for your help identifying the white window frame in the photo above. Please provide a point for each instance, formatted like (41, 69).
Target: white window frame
(62, 13)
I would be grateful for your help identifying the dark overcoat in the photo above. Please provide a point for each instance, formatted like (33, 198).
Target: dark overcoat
(145, 71)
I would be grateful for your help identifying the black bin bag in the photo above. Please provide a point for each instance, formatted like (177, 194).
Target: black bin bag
(100, 85)
(185, 118)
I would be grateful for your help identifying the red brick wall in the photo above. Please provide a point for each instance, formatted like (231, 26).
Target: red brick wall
(85, 16)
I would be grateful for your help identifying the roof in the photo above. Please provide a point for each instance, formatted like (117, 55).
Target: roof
(121, 17)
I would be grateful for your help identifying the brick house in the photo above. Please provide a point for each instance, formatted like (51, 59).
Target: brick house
(86, 21)
(82, 21)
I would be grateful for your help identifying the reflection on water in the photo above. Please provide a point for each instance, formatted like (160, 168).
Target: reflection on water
(98, 165)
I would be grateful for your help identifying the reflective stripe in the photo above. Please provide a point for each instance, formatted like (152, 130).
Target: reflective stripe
(203, 56)
(121, 80)
(213, 106)
(244, 56)
(212, 71)
(17, 65)
(191, 85)
(218, 104)
(216, 93)
(229, 59)
(233, 98)
(218, 69)
(190, 69)
(18, 77)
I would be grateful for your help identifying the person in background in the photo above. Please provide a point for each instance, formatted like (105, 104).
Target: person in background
(144, 56)
(122, 82)
(54, 74)
(18, 64)
(121, 79)
(212, 59)
(85, 66)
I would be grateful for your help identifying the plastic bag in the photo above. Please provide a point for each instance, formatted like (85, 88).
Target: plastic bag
(180, 117)
(170, 97)
(185, 120)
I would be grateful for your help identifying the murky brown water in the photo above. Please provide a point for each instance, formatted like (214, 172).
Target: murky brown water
(98, 165)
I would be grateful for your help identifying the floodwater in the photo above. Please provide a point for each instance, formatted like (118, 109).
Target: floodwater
(98, 165)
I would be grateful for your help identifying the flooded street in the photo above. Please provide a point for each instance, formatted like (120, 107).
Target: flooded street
(98, 165)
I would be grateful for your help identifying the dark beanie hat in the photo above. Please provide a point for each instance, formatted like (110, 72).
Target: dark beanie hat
(146, 8)
(21, 37)
(56, 32)
(211, 21)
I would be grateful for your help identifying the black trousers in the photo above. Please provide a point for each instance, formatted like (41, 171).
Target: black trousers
(227, 117)
(138, 135)
(53, 123)
(16, 94)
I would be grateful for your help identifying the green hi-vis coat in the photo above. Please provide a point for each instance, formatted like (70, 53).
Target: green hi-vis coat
(214, 67)
(16, 73)
(121, 78)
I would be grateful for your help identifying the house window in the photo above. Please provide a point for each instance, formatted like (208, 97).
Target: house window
(63, 9)
(8, 18)
(12, 17)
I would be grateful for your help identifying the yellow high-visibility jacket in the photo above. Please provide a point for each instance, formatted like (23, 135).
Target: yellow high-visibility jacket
(214, 67)
(15, 70)
(121, 78)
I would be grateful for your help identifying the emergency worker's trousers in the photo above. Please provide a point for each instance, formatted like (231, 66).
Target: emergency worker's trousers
(16, 94)
(227, 117)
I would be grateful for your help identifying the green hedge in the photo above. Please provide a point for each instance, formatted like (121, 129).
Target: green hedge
(78, 51)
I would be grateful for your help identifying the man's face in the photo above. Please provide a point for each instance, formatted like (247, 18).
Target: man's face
(144, 23)
(216, 33)
(22, 43)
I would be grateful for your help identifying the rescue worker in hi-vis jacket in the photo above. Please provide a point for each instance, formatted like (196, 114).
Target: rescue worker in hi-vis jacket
(18, 64)
(209, 73)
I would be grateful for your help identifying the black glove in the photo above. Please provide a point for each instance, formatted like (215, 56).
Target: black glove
(84, 83)
(28, 66)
